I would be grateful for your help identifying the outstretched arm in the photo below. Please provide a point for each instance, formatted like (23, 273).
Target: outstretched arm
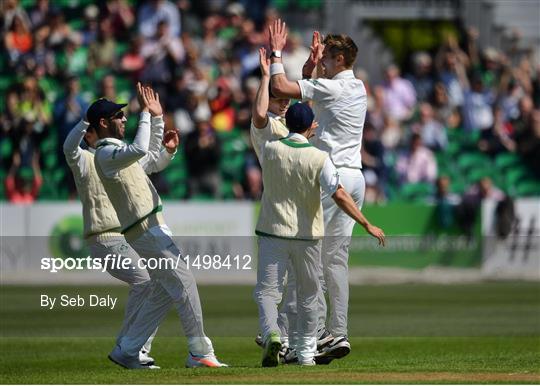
(347, 204)
(281, 86)
(260, 107)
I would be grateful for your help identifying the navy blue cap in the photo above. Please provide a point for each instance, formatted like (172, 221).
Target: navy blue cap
(299, 117)
(102, 108)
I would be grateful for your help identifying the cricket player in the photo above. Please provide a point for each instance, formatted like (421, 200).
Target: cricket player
(138, 207)
(101, 225)
(340, 104)
(290, 228)
(268, 123)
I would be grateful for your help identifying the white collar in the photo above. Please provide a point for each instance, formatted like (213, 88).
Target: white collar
(109, 141)
(345, 74)
(297, 138)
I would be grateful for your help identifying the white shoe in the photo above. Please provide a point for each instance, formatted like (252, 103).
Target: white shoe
(203, 361)
(118, 357)
(145, 359)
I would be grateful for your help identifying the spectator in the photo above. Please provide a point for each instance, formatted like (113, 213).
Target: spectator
(40, 61)
(23, 184)
(373, 165)
(203, 151)
(57, 31)
(422, 76)
(68, 109)
(132, 63)
(211, 47)
(153, 12)
(33, 105)
(451, 64)
(296, 55)
(376, 112)
(445, 203)
(418, 164)
(18, 40)
(102, 52)
(73, 60)
(477, 110)
(162, 54)
(39, 13)
(432, 131)
(121, 18)
(471, 202)
(399, 95)
(441, 103)
(391, 135)
(90, 30)
(499, 138)
(11, 8)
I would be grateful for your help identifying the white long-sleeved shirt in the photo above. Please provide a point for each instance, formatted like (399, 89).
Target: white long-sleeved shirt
(145, 149)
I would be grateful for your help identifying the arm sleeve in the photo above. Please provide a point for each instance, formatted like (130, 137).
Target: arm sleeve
(72, 151)
(316, 89)
(157, 125)
(329, 178)
(163, 160)
(114, 158)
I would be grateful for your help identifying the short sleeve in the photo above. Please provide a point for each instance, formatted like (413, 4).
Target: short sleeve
(317, 89)
(329, 178)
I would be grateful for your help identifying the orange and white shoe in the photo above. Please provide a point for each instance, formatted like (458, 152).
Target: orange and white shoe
(203, 361)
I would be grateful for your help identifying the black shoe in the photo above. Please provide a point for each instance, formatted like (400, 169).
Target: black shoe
(323, 338)
(336, 349)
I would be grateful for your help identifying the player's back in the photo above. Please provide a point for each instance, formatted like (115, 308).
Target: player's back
(341, 112)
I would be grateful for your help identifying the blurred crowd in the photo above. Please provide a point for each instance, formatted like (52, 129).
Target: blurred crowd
(202, 57)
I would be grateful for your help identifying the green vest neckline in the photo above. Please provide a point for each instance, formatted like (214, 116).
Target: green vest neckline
(294, 144)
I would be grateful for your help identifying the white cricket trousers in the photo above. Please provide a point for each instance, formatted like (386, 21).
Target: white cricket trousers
(333, 271)
(338, 227)
(304, 256)
(138, 279)
(170, 286)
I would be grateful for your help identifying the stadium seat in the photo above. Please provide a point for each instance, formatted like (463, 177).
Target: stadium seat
(416, 192)
(507, 160)
(528, 188)
(473, 160)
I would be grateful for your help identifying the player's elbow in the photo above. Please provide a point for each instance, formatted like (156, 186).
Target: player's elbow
(340, 196)
(278, 89)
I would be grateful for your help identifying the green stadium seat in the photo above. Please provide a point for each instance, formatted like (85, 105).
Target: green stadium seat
(516, 175)
(506, 160)
(528, 188)
(416, 192)
(468, 161)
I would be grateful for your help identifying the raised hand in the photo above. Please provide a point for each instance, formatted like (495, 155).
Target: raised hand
(171, 140)
(278, 35)
(316, 48)
(140, 99)
(151, 100)
(264, 62)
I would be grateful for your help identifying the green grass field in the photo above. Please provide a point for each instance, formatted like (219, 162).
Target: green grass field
(478, 333)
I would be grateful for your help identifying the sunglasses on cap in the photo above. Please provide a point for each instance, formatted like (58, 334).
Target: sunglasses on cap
(118, 115)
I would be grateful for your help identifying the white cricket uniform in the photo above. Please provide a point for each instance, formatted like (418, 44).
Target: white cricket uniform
(340, 106)
(138, 207)
(101, 225)
(290, 227)
(276, 129)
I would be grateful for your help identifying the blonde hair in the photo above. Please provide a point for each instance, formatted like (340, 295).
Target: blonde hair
(341, 44)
